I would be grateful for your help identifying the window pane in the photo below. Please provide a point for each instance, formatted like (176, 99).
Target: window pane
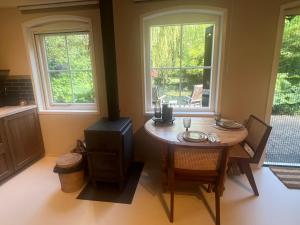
(195, 41)
(70, 68)
(61, 87)
(167, 83)
(79, 51)
(56, 52)
(83, 87)
(180, 88)
(165, 46)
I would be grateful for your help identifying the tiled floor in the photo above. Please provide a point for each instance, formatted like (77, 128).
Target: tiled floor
(34, 198)
(284, 142)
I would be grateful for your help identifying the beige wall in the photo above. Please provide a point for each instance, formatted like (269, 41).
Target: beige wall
(59, 131)
(250, 41)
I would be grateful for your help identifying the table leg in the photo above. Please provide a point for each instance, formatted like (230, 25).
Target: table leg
(164, 166)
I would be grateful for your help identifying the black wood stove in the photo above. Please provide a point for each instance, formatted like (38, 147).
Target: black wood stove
(109, 150)
(109, 141)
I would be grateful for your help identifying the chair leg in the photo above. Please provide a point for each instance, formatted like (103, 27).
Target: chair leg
(217, 202)
(246, 168)
(229, 165)
(241, 168)
(209, 188)
(171, 202)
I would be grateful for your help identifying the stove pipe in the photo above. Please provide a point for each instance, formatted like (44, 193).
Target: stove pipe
(109, 54)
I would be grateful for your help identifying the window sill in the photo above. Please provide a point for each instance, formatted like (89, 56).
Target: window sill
(68, 112)
(181, 114)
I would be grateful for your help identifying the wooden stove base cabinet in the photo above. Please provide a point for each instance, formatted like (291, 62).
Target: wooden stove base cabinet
(109, 150)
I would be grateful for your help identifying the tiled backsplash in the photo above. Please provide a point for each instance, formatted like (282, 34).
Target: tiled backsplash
(15, 89)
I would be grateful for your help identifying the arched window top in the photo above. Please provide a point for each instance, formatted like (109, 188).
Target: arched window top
(54, 23)
(184, 13)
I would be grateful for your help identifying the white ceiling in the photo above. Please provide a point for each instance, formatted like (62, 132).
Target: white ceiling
(14, 3)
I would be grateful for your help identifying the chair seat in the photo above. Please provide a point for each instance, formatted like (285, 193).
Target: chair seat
(238, 152)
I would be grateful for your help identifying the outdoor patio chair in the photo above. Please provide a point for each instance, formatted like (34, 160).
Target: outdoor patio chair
(196, 97)
(200, 165)
(251, 150)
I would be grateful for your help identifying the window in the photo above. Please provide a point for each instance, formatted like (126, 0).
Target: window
(61, 53)
(68, 74)
(181, 61)
(67, 69)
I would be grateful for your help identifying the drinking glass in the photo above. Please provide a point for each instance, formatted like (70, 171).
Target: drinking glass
(187, 123)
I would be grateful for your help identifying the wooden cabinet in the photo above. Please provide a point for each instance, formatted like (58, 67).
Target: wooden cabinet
(6, 165)
(21, 142)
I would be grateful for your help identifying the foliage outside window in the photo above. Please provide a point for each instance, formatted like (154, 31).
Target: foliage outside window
(68, 68)
(177, 61)
(181, 62)
(287, 89)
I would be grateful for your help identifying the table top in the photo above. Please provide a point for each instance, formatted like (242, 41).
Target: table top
(169, 133)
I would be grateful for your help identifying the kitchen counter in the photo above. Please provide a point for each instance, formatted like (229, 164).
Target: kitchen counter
(10, 110)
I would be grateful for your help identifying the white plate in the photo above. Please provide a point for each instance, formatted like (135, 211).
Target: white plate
(194, 136)
(229, 124)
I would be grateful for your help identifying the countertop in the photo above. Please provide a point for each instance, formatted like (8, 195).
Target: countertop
(10, 110)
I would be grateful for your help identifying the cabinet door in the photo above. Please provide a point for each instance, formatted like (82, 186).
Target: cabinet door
(6, 165)
(24, 137)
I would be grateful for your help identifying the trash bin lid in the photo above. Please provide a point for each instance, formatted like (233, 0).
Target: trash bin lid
(69, 160)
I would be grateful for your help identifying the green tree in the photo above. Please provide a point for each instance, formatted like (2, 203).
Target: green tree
(70, 67)
(175, 52)
(287, 90)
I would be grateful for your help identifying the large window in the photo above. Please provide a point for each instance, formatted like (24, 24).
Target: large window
(181, 61)
(62, 60)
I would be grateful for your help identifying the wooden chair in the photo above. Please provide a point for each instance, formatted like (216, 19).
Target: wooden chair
(196, 97)
(197, 94)
(250, 151)
(203, 165)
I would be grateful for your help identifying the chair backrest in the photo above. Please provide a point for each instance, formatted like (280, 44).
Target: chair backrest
(258, 134)
(197, 93)
(208, 160)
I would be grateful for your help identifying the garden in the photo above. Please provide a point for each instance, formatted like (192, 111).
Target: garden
(287, 90)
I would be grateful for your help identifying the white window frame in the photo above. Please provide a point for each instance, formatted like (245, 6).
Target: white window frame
(186, 15)
(55, 25)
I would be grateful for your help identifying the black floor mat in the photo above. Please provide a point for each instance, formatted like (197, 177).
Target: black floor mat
(109, 192)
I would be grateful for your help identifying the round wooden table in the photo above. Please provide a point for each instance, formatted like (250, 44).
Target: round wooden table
(169, 133)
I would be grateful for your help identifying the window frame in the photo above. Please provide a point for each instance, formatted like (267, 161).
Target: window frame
(45, 78)
(183, 16)
(53, 25)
